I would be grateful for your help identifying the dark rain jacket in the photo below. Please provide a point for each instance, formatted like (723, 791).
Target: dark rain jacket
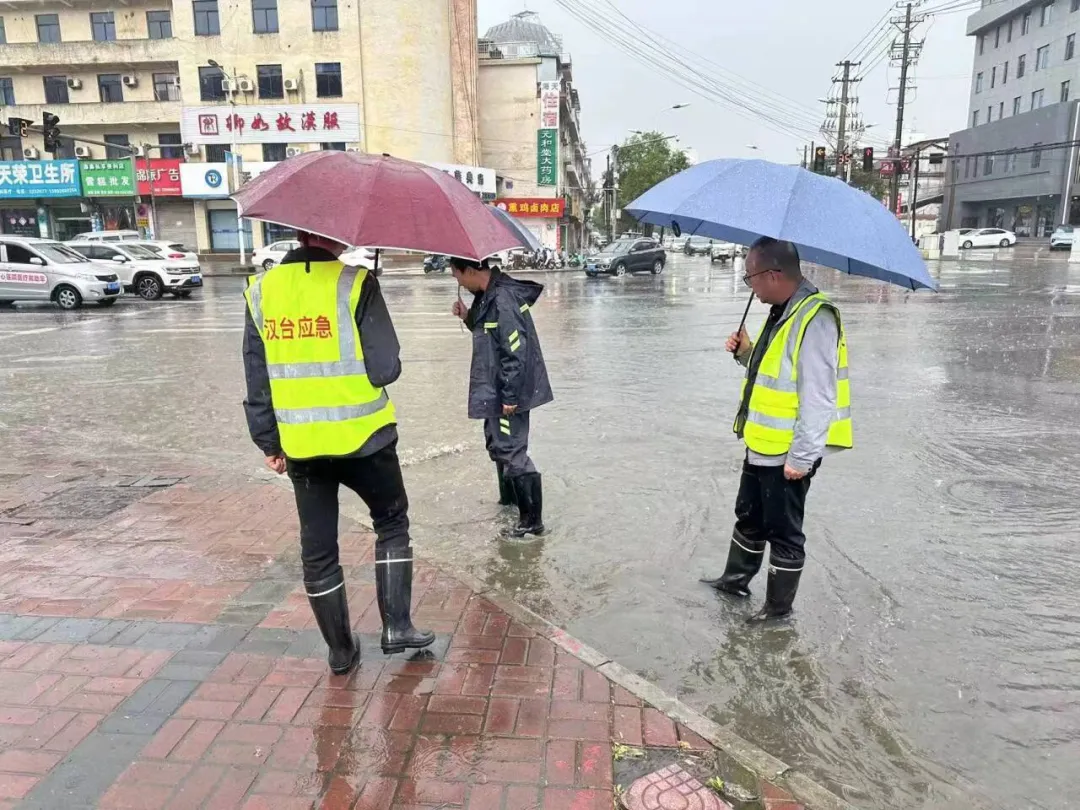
(507, 364)
(381, 356)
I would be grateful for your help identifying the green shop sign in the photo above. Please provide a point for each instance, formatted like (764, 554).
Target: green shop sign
(108, 178)
(547, 157)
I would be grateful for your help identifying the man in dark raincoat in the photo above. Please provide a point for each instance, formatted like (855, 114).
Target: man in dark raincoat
(508, 380)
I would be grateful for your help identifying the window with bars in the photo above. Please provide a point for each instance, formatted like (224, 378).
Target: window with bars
(171, 145)
(165, 87)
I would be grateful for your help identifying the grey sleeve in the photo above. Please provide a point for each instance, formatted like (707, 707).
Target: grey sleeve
(816, 383)
(258, 406)
(382, 352)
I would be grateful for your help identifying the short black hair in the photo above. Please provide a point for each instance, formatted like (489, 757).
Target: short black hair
(779, 255)
(464, 264)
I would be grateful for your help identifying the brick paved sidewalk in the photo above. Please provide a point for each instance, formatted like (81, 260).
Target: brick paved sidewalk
(157, 651)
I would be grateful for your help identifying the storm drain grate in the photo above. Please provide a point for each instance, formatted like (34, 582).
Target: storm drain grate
(88, 502)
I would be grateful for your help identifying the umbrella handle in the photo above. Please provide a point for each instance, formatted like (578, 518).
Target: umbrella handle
(742, 323)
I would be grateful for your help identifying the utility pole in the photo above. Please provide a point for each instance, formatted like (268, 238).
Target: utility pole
(845, 100)
(906, 53)
(804, 154)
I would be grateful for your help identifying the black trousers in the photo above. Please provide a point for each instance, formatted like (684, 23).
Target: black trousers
(770, 508)
(375, 478)
(507, 441)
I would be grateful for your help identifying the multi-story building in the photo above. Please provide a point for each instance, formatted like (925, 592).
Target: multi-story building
(530, 130)
(186, 81)
(1014, 164)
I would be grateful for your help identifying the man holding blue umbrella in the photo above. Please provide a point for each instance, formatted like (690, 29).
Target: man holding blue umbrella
(795, 407)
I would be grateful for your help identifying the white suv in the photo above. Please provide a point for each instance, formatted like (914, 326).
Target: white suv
(33, 269)
(142, 271)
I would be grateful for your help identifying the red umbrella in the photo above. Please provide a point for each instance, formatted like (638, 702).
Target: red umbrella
(375, 201)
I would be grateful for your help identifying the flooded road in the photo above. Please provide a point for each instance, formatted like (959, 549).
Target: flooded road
(934, 660)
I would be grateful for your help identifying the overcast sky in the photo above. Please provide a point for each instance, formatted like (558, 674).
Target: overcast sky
(788, 46)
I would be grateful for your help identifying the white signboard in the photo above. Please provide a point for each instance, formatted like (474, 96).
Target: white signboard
(204, 180)
(479, 180)
(271, 123)
(549, 105)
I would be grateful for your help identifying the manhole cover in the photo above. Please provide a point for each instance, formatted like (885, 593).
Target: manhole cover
(82, 502)
(671, 788)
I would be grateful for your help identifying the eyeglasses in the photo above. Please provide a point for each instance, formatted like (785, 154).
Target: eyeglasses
(746, 279)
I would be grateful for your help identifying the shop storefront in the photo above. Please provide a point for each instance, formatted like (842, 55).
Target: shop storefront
(539, 215)
(168, 216)
(29, 190)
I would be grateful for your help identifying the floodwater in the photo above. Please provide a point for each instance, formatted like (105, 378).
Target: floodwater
(934, 660)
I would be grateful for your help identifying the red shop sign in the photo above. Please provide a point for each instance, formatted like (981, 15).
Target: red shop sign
(166, 173)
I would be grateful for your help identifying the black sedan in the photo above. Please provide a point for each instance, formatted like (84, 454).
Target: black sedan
(627, 256)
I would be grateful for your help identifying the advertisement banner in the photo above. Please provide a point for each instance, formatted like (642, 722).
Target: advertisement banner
(165, 173)
(39, 178)
(271, 123)
(552, 207)
(549, 105)
(108, 178)
(547, 157)
(478, 179)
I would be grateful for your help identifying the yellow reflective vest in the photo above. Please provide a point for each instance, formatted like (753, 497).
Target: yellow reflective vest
(323, 401)
(774, 399)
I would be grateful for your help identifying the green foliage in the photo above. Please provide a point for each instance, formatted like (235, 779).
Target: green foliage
(644, 160)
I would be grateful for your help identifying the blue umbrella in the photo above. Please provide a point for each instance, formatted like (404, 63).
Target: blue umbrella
(523, 234)
(829, 221)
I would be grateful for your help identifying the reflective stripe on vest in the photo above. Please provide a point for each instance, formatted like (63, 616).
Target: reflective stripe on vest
(324, 403)
(774, 400)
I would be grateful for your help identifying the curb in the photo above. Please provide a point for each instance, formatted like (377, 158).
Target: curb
(759, 762)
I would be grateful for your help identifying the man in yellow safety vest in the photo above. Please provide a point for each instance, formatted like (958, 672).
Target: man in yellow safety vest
(795, 407)
(319, 350)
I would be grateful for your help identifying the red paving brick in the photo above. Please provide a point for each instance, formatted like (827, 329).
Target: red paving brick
(508, 721)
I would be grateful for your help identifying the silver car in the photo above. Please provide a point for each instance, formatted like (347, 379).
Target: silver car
(33, 269)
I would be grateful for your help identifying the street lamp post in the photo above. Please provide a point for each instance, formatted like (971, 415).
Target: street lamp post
(235, 168)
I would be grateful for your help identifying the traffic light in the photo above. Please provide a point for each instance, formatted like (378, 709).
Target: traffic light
(819, 160)
(868, 159)
(17, 127)
(50, 125)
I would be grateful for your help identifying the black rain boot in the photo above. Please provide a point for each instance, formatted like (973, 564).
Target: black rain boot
(743, 563)
(530, 498)
(331, 609)
(506, 487)
(393, 587)
(780, 591)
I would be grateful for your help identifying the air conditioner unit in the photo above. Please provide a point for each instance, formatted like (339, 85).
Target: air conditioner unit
(74, 83)
(246, 85)
(30, 153)
(192, 149)
(293, 151)
(131, 80)
(228, 85)
(82, 152)
(176, 81)
(140, 151)
(291, 85)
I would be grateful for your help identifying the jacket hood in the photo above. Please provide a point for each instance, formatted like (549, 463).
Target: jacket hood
(527, 291)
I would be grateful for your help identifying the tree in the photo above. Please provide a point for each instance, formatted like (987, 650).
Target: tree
(870, 182)
(644, 160)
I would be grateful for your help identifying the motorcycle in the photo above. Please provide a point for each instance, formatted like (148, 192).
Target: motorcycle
(435, 263)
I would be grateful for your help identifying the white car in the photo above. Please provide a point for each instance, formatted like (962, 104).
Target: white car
(143, 271)
(1062, 238)
(33, 269)
(987, 237)
(266, 257)
(106, 236)
(169, 250)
